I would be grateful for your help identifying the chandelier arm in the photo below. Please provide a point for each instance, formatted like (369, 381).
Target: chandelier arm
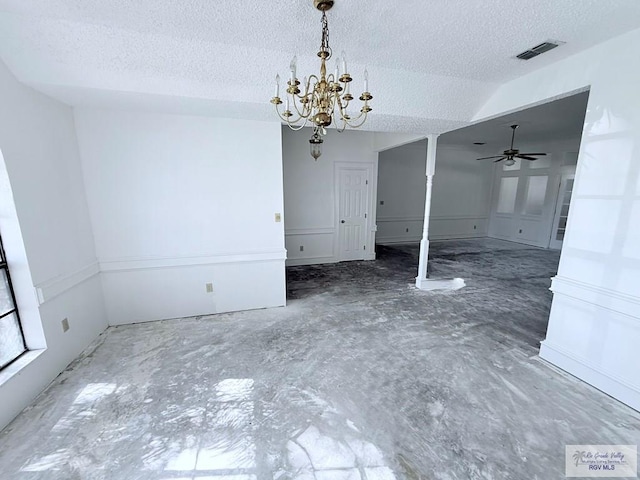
(342, 108)
(362, 115)
(344, 127)
(288, 119)
(352, 122)
(315, 100)
(335, 100)
(307, 89)
(308, 92)
(343, 111)
(311, 104)
(300, 114)
(293, 125)
(304, 114)
(307, 107)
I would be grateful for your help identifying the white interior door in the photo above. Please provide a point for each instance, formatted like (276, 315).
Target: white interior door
(353, 189)
(562, 211)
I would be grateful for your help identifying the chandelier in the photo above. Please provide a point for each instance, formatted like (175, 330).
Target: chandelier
(322, 97)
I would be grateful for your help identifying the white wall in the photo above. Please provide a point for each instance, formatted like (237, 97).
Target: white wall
(460, 199)
(51, 246)
(309, 192)
(401, 193)
(177, 202)
(461, 194)
(521, 225)
(594, 327)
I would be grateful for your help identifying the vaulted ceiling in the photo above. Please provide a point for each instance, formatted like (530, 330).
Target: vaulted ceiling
(557, 120)
(432, 63)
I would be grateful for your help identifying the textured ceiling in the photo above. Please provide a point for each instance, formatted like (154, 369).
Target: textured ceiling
(560, 119)
(432, 63)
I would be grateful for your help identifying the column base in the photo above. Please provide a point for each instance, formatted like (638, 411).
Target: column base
(439, 284)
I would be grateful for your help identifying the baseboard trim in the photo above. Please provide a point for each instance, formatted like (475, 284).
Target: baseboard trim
(50, 289)
(457, 236)
(605, 381)
(517, 240)
(119, 265)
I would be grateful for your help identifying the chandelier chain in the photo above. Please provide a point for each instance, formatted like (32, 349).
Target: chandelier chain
(324, 46)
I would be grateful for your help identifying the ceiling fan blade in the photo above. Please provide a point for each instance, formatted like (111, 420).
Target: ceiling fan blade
(525, 157)
(499, 160)
(487, 158)
(533, 153)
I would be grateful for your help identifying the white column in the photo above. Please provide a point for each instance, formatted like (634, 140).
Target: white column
(422, 281)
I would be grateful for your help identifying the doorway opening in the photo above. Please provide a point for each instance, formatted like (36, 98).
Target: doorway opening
(329, 211)
(487, 217)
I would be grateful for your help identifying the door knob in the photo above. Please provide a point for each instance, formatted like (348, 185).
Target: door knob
(341, 221)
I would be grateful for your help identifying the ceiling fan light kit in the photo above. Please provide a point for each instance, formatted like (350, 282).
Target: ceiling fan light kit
(323, 98)
(511, 153)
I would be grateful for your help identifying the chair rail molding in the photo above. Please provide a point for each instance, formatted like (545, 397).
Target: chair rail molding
(601, 297)
(50, 289)
(139, 263)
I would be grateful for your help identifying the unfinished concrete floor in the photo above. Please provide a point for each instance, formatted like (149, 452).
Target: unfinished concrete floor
(361, 376)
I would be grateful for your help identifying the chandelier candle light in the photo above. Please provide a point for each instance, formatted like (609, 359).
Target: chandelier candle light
(322, 97)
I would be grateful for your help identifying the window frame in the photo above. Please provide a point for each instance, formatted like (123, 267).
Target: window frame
(5, 266)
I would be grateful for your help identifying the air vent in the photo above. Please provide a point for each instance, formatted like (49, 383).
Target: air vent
(538, 49)
(527, 54)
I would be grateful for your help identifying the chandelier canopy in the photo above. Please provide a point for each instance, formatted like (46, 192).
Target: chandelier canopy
(323, 98)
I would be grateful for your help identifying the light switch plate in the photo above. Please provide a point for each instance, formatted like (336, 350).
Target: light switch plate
(278, 218)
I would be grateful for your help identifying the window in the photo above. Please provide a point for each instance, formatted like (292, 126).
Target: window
(12, 343)
(536, 193)
(564, 210)
(507, 195)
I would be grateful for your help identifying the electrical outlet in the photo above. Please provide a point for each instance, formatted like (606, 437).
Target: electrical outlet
(520, 231)
(381, 202)
(65, 324)
(407, 230)
(474, 227)
(301, 248)
(278, 218)
(209, 287)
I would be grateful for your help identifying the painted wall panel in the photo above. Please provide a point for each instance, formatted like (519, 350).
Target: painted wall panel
(47, 232)
(144, 294)
(170, 195)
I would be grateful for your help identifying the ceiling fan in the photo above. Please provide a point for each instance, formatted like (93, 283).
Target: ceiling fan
(512, 153)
